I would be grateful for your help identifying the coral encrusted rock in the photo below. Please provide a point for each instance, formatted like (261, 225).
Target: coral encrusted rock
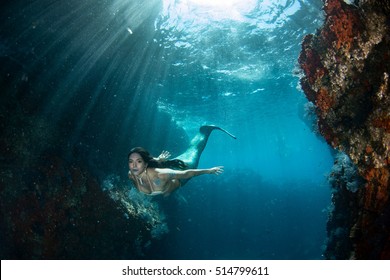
(346, 68)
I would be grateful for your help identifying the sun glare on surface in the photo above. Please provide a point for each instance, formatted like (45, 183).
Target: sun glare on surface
(217, 3)
(212, 10)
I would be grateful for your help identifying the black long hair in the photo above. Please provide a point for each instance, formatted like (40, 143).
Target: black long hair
(173, 163)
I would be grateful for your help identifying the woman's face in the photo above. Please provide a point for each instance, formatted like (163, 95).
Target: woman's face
(137, 165)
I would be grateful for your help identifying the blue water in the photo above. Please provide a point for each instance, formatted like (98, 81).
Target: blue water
(272, 201)
(123, 73)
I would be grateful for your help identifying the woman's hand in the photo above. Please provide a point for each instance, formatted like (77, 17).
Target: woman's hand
(216, 170)
(163, 156)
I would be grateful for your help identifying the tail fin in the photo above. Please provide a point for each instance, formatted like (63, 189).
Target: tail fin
(206, 129)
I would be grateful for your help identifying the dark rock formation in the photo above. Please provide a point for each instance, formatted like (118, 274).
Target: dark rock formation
(62, 134)
(52, 206)
(346, 67)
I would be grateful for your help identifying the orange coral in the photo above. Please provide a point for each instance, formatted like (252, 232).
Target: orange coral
(332, 5)
(382, 122)
(328, 133)
(310, 61)
(369, 149)
(342, 24)
(377, 188)
(324, 101)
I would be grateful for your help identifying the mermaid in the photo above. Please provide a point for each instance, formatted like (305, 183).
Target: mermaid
(161, 176)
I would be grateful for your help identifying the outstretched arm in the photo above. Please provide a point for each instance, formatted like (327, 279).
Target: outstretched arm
(169, 174)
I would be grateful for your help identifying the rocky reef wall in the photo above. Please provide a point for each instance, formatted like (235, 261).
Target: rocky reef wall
(52, 203)
(346, 67)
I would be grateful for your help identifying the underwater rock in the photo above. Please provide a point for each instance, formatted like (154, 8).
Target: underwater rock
(346, 71)
(59, 211)
(53, 207)
(345, 182)
(137, 204)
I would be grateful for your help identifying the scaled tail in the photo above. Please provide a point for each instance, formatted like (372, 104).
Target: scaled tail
(198, 143)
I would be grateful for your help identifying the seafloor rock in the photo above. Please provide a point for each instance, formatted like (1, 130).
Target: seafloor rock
(346, 67)
(57, 210)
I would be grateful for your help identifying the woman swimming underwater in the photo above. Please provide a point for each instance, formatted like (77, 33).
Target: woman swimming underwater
(154, 176)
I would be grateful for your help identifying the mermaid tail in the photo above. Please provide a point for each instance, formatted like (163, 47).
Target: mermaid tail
(198, 143)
